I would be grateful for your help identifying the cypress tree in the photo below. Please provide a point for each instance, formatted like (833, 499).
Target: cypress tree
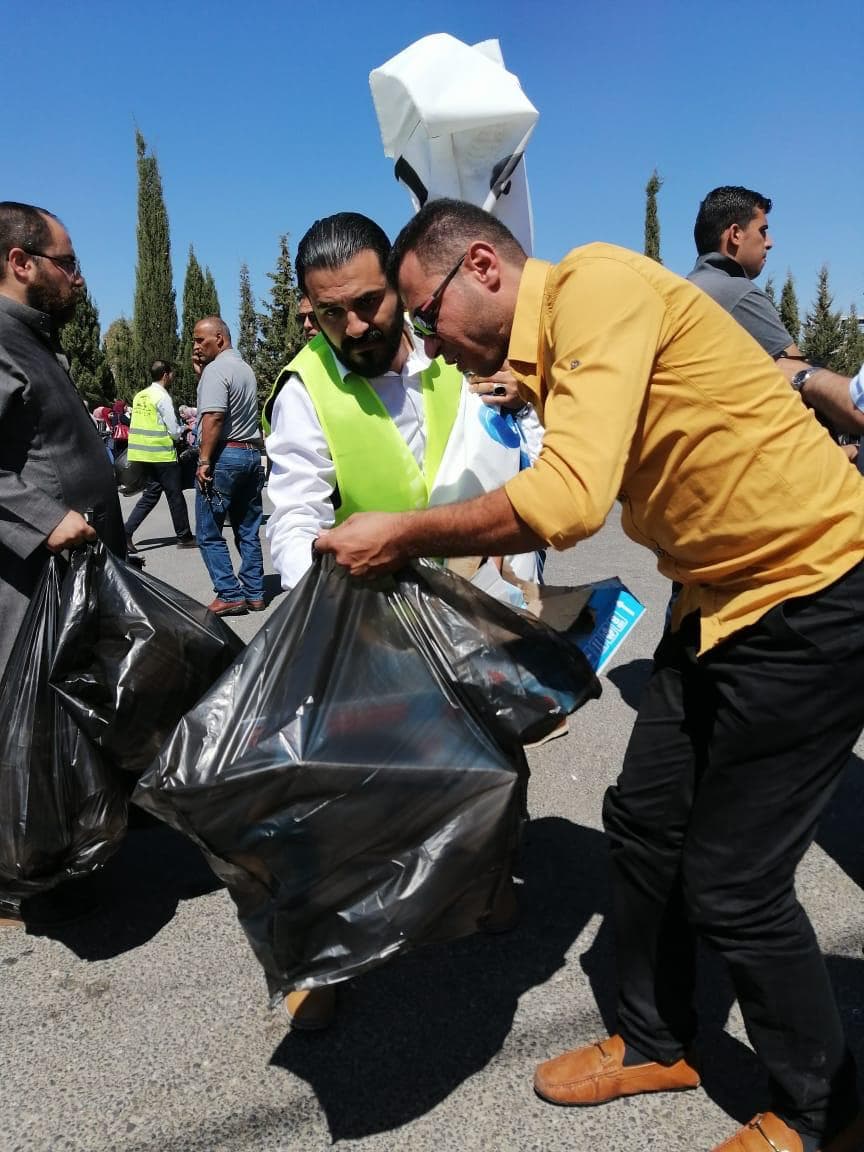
(789, 308)
(211, 296)
(199, 299)
(247, 336)
(154, 318)
(118, 348)
(80, 341)
(281, 332)
(652, 223)
(822, 333)
(769, 290)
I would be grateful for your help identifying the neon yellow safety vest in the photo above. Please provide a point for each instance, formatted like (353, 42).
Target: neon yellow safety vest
(149, 439)
(375, 469)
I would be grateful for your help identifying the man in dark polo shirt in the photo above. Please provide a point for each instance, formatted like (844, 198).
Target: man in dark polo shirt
(731, 234)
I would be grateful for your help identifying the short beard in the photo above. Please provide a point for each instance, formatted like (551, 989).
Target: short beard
(373, 361)
(46, 298)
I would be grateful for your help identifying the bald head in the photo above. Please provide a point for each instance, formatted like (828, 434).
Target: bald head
(210, 337)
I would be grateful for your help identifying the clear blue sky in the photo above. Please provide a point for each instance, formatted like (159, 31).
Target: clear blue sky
(261, 119)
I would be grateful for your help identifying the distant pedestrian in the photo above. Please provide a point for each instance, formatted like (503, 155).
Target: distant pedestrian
(153, 439)
(229, 475)
(118, 421)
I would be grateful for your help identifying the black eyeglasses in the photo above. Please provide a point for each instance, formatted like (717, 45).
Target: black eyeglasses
(69, 264)
(425, 318)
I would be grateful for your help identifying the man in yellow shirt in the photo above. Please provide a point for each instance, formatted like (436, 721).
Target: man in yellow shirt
(652, 394)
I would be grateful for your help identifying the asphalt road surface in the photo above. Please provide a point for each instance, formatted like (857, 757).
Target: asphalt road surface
(146, 1026)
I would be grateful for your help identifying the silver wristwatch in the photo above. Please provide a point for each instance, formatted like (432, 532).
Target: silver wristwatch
(801, 378)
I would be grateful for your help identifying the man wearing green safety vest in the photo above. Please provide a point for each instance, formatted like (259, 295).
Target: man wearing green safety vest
(153, 436)
(362, 419)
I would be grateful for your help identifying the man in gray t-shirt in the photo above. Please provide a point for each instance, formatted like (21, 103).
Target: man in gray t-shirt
(731, 234)
(229, 476)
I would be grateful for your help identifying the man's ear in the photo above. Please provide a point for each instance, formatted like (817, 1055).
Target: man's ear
(483, 261)
(731, 239)
(16, 264)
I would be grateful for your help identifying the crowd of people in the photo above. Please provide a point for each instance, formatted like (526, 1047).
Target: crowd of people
(456, 397)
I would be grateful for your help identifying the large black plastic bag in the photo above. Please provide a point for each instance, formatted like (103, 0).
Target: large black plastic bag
(522, 675)
(62, 812)
(343, 784)
(133, 655)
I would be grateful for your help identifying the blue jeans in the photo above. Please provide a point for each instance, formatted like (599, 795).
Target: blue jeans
(237, 482)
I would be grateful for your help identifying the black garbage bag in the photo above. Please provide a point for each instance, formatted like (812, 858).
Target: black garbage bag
(342, 783)
(520, 674)
(133, 655)
(131, 475)
(62, 812)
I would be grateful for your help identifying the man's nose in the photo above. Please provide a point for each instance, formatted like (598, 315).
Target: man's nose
(355, 326)
(769, 243)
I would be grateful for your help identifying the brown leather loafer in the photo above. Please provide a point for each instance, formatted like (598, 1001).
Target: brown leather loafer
(228, 607)
(256, 605)
(310, 1009)
(596, 1073)
(768, 1133)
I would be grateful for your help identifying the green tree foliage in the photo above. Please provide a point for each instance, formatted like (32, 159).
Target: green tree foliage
(80, 341)
(154, 319)
(211, 296)
(770, 290)
(789, 308)
(652, 223)
(822, 337)
(281, 335)
(852, 353)
(247, 336)
(118, 348)
(199, 299)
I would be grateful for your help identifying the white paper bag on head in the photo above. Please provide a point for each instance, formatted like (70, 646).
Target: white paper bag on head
(457, 123)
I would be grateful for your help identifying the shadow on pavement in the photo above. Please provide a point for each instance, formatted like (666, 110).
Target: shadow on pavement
(138, 891)
(409, 1033)
(630, 679)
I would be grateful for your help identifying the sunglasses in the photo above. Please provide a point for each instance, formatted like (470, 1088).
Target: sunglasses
(425, 318)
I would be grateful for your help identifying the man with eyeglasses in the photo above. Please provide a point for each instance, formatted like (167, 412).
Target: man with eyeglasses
(362, 418)
(57, 485)
(654, 396)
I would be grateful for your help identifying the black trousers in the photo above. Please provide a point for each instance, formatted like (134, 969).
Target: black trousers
(165, 478)
(732, 759)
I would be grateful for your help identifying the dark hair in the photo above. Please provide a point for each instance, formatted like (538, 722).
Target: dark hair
(722, 208)
(22, 226)
(444, 227)
(333, 241)
(160, 368)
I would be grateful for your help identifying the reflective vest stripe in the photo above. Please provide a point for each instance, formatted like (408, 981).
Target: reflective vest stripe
(149, 439)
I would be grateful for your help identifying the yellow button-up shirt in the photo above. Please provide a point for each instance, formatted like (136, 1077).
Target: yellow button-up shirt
(651, 393)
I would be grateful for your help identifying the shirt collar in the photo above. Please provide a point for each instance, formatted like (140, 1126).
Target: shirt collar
(722, 263)
(524, 335)
(40, 322)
